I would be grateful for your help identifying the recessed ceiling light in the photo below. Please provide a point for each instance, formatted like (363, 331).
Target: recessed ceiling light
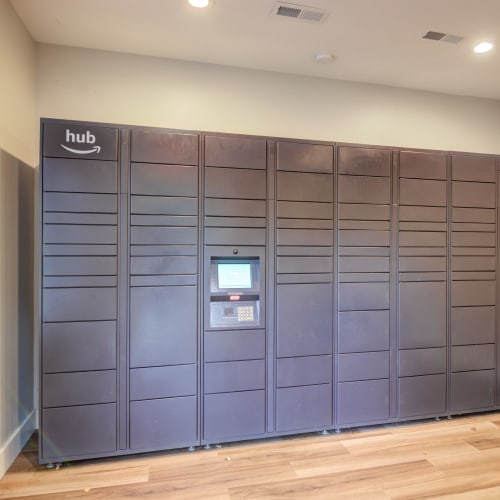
(200, 4)
(482, 47)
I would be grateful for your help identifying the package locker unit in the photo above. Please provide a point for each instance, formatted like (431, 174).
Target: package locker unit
(163, 290)
(80, 284)
(200, 288)
(364, 298)
(234, 340)
(422, 280)
(304, 287)
(473, 282)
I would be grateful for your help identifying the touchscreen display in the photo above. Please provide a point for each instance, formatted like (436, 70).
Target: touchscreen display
(234, 275)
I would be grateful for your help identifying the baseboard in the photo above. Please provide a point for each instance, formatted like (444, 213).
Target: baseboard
(14, 444)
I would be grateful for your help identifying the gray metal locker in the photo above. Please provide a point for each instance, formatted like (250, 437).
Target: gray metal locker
(473, 290)
(330, 298)
(304, 319)
(423, 296)
(364, 269)
(158, 424)
(304, 291)
(163, 359)
(79, 183)
(235, 343)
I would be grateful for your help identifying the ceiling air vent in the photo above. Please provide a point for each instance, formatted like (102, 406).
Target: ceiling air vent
(434, 35)
(442, 37)
(299, 12)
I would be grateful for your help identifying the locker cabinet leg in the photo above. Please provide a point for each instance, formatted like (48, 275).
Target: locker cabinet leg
(55, 466)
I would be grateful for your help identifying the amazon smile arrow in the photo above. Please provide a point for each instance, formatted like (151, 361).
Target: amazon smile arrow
(95, 149)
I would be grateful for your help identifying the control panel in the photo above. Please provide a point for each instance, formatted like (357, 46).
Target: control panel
(234, 292)
(237, 314)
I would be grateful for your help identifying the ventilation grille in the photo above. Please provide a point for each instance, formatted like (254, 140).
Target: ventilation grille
(299, 12)
(442, 37)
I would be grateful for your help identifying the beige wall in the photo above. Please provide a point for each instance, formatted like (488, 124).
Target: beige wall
(101, 86)
(17, 137)
(18, 126)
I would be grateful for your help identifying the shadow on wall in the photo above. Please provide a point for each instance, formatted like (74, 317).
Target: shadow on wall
(16, 306)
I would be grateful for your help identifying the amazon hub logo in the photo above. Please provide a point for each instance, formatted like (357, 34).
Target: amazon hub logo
(86, 140)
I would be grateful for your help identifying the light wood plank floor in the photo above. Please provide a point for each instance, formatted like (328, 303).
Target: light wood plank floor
(451, 459)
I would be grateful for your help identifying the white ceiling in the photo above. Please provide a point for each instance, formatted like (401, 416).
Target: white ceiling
(376, 41)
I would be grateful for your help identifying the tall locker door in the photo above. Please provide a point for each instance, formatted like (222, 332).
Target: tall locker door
(422, 339)
(364, 251)
(473, 290)
(163, 290)
(234, 348)
(304, 286)
(79, 175)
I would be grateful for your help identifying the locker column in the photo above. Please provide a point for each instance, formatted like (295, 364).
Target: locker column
(163, 290)
(364, 250)
(234, 341)
(422, 379)
(79, 292)
(473, 293)
(304, 286)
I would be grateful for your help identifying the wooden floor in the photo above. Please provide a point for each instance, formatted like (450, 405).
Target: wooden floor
(452, 459)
